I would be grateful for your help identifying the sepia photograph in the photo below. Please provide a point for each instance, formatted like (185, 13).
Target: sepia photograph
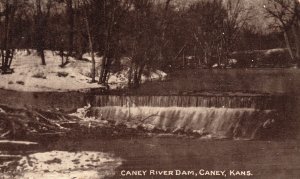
(149, 89)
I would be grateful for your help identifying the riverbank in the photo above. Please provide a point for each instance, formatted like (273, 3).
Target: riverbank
(75, 75)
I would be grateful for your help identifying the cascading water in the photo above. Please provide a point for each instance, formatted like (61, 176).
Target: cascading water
(213, 100)
(240, 117)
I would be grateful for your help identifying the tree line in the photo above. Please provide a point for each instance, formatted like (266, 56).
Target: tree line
(153, 33)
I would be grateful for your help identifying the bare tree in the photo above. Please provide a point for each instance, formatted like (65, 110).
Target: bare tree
(144, 39)
(79, 31)
(110, 13)
(164, 26)
(238, 16)
(41, 19)
(206, 21)
(6, 49)
(69, 32)
(70, 19)
(285, 14)
(90, 39)
(113, 13)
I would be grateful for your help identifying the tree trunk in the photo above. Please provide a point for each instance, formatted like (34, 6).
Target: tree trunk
(90, 39)
(5, 40)
(42, 55)
(105, 53)
(297, 41)
(102, 68)
(107, 69)
(140, 72)
(40, 32)
(288, 45)
(109, 25)
(205, 58)
(135, 78)
(70, 14)
(2, 58)
(93, 70)
(183, 59)
(106, 61)
(130, 75)
(164, 28)
(11, 58)
(78, 34)
(7, 51)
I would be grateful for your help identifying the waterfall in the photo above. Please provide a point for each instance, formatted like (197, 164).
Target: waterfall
(241, 116)
(241, 123)
(227, 101)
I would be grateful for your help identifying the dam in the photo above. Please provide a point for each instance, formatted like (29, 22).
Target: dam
(234, 116)
(231, 115)
(257, 101)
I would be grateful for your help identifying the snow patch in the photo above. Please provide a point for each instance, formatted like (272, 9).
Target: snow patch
(62, 164)
(82, 113)
(2, 110)
(119, 79)
(275, 50)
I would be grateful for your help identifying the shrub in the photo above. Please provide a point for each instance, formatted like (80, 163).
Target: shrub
(20, 82)
(39, 75)
(62, 74)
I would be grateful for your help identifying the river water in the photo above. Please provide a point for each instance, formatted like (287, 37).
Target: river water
(263, 159)
(271, 158)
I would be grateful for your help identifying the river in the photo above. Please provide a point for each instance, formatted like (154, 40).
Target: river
(264, 159)
(125, 157)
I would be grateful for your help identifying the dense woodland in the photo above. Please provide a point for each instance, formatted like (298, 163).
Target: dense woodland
(155, 34)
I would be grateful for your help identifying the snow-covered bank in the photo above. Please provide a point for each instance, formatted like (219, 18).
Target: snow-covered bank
(62, 164)
(30, 75)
